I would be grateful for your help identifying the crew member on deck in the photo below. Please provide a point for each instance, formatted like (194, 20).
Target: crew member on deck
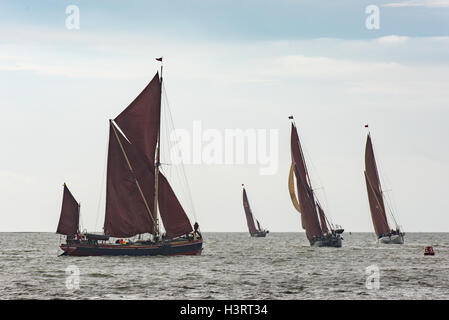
(196, 226)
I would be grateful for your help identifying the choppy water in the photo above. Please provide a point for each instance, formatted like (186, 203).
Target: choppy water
(232, 266)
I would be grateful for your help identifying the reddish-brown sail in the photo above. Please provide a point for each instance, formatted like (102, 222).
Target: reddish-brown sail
(249, 215)
(69, 218)
(322, 219)
(258, 225)
(374, 190)
(140, 121)
(309, 217)
(174, 218)
(128, 177)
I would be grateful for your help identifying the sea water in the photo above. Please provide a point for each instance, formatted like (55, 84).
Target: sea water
(232, 266)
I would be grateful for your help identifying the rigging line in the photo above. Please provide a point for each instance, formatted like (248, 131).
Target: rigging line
(101, 184)
(182, 163)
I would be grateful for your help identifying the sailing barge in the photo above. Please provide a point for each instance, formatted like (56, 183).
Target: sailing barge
(384, 233)
(319, 230)
(253, 230)
(138, 195)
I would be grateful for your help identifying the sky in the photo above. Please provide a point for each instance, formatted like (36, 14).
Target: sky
(230, 65)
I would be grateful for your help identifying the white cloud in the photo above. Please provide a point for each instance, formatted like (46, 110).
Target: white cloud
(393, 40)
(419, 3)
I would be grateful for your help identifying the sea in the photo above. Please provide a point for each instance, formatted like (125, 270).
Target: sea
(281, 266)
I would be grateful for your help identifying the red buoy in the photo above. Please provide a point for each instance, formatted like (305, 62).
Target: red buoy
(428, 251)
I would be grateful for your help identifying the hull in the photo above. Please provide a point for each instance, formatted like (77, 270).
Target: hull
(166, 249)
(261, 234)
(328, 242)
(392, 239)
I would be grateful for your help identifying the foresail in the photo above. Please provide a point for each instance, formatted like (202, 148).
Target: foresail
(69, 218)
(258, 225)
(174, 218)
(322, 219)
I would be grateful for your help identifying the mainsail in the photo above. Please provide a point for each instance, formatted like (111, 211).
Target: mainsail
(128, 189)
(306, 203)
(69, 218)
(249, 215)
(374, 190)
(140, 124)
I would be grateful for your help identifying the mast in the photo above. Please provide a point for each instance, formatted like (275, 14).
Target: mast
(157, 160)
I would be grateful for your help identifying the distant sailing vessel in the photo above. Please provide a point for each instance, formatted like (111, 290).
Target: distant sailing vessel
(136, 190)
(253, 230)
(319, 231)
(376, 200)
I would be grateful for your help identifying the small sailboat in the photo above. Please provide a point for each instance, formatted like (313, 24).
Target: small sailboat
(253, 230)
(319, 230)
(136, 191)
(384, 233)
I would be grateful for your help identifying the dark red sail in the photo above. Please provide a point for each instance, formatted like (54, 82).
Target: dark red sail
(374, 190)
(127, 214)
(69, 218)
(249, 214)
(322, 219)
(174, 218)
(140, 121)
(309, 217)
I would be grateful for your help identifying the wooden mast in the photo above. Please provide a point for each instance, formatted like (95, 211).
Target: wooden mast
(158, 154)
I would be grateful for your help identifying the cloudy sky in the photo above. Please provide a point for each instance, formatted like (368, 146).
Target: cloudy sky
(243, 64)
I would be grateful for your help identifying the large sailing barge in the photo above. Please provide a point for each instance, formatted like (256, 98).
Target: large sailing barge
(319, 230)
(138, 195)
(384, 233)
(254, 231)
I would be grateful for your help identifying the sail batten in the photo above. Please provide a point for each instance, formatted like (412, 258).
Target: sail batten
(374, 190)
